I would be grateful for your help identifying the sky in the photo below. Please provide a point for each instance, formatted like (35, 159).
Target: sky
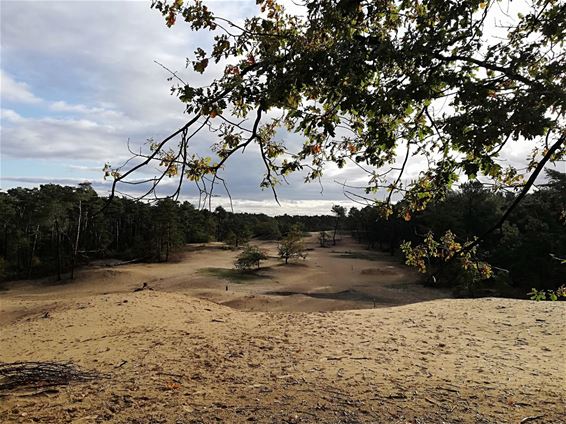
(78, 82)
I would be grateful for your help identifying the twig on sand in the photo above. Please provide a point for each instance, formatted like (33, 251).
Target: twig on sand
(429, 400)
(337, 393)
(308, 413)
(40, 374)
(170, 374)
(531, 418)
(353, 358)
(448, 389)
(145, 286)
(46, 391)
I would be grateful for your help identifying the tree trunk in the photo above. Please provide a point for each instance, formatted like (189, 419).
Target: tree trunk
(32, 253)
(5, 244)
(167, 245)
(393, 238)
(58, 235)
(159, 247)
(117, 237)
(334, 235)
(77, 238)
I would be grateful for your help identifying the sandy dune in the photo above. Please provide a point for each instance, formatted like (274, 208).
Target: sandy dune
(169, 356)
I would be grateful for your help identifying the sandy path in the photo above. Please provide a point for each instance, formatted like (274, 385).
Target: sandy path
(192, 361)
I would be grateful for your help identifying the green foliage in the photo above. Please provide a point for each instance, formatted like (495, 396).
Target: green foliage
(166, 228)
(38, 229)
(552, 295)
(524, 248)
(2, 268)
(369, 225)
(237, 236)
(268, 230)
(233, 229)
(340, 213)
(233, 275)
(362, 81)
(292, 246)
(250, 258)
(525, 252)
(323, 238)
(447, 249)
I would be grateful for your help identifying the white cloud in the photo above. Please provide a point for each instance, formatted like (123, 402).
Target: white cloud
(9, 115)
(270, 207)
(15, 91)
(85, 168)
(63, 106)
(51, 180)
(60, 139)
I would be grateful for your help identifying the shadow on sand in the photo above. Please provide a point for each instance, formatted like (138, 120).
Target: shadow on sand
(350, 294)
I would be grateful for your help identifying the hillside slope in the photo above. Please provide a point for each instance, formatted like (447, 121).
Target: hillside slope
(170, 358)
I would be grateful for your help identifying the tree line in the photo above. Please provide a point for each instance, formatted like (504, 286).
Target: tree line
(526, 252)
(52, 229)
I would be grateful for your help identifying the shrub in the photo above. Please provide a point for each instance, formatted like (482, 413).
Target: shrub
(250, 257)
(548, 294)
(292, 247)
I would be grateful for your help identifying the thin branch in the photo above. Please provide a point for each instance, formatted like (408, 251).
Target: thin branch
(394, 185)
(487, 65)
(530, 182)
(174, 74)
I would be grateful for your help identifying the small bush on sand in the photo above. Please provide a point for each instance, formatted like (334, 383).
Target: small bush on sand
(250, 258)
(292, 247)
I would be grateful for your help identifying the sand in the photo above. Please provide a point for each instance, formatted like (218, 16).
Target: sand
(348, 336)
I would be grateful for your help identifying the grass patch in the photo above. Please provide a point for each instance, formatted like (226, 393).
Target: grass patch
(232, 275)
(357, 255)
(400, 286)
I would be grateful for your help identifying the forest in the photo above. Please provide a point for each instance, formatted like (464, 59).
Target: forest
(51, 230)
